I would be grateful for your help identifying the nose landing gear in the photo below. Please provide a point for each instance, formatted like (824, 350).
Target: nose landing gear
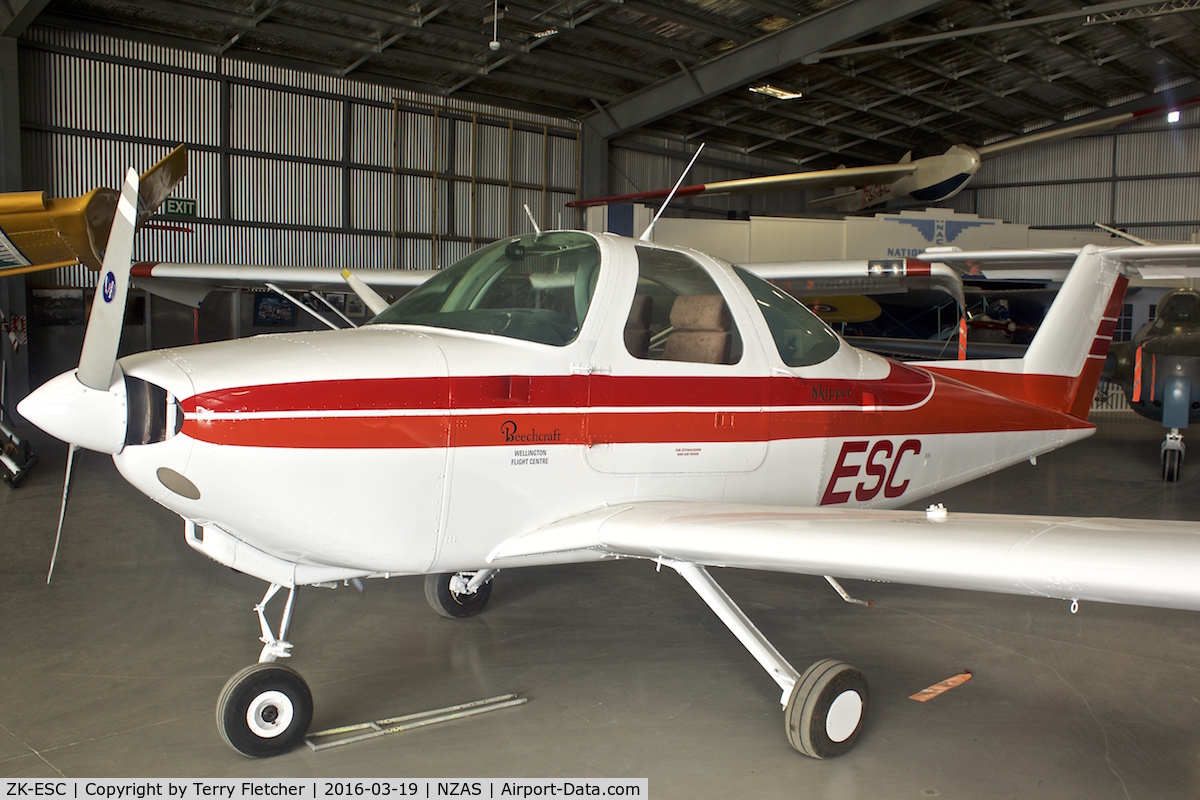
(265, 709)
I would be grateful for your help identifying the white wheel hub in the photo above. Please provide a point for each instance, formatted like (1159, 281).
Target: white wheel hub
(845, 712)
(270, 714)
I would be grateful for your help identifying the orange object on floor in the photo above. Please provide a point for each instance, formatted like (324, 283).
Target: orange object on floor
(940, 687)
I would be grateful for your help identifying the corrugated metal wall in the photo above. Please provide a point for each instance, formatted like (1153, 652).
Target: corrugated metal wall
(1143, 177)
(286, 167)
(639, 163)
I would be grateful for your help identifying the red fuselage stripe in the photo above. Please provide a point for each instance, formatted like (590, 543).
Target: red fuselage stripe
(766, 409)
(903, 387)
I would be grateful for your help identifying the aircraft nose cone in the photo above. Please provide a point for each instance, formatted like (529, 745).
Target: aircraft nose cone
(67, 410)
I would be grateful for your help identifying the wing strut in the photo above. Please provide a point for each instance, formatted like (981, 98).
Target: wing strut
(739, 625)
(823, 709)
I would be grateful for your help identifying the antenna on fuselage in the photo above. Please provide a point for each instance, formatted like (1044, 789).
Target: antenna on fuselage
(537, 232)
(645, 237)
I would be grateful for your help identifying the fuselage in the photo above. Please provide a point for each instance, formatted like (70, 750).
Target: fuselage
(934, 179)
(1166, 348)
(411, 448)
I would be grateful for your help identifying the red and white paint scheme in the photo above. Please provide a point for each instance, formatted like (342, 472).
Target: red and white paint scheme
(562, 397)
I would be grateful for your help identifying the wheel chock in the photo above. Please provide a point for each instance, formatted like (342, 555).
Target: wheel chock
(348, 734)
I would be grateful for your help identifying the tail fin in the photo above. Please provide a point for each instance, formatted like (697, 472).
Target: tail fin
(1062, 366)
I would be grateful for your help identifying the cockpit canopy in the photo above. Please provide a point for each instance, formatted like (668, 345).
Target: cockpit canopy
(536, 287)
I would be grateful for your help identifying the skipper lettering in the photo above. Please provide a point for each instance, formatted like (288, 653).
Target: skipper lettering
(830, 394)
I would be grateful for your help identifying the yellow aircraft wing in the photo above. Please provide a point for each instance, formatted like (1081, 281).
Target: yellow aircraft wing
(39, 233)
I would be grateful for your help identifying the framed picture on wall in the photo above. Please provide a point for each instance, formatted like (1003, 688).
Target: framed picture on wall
(272, 310)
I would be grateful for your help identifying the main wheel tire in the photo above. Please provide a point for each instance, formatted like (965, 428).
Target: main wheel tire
(264, 710)
(826, 710)
(1171, 466)
(449, 604)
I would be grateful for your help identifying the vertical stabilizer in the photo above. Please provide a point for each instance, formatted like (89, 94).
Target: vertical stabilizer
(1062, 366)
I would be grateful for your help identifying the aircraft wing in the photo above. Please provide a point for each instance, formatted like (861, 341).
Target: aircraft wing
(934, 349)
(1166, 262)
(190, 283)
(860, 276)
(1070, 131)
(40, 233)
(816, 179)
(1133, 562)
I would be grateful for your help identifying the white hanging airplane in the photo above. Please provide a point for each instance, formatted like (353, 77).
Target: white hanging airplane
(931, 179)
(564, 397)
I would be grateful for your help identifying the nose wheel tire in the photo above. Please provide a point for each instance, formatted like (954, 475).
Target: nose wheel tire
(826, 709)
(444, 600)
(264, 710)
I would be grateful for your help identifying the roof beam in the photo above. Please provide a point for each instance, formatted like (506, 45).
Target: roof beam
(17, 15)
(765, 56)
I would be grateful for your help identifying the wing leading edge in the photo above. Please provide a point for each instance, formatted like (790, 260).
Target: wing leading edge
(1130, 562)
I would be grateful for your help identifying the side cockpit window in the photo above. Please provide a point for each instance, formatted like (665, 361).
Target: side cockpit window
(678, 313)
(1183, 310)
(800, 336)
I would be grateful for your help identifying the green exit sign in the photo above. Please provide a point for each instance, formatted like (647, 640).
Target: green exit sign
(179, 206)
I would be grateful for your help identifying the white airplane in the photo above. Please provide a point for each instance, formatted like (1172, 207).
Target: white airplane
(931, 179)
(566, 397)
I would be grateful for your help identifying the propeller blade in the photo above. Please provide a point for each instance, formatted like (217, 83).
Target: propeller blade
(369, 296)
(159, 181)
(62, 512)
(103, 336)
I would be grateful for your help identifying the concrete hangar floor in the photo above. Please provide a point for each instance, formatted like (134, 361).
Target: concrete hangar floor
(115, 668)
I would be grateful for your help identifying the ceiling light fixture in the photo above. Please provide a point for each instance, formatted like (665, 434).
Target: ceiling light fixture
(494, 44)
(1173, 116)
(776, 92)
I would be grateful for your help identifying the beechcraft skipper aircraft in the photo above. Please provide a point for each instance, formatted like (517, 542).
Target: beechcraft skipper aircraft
(564, 397)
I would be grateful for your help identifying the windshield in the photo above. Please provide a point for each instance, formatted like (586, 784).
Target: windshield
(535, 288)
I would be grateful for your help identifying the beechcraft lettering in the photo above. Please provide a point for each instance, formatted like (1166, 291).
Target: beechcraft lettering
(880, 470)
(513, 433)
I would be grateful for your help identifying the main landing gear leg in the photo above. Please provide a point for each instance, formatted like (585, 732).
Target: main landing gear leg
(265, 709)
(1176, 411)
(1171, 454)
(824, 709)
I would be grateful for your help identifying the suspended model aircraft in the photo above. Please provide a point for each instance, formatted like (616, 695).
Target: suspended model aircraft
(564, 397)
(927, 180)
(39, 233)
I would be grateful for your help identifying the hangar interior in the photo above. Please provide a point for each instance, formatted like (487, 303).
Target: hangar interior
(370, 134)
